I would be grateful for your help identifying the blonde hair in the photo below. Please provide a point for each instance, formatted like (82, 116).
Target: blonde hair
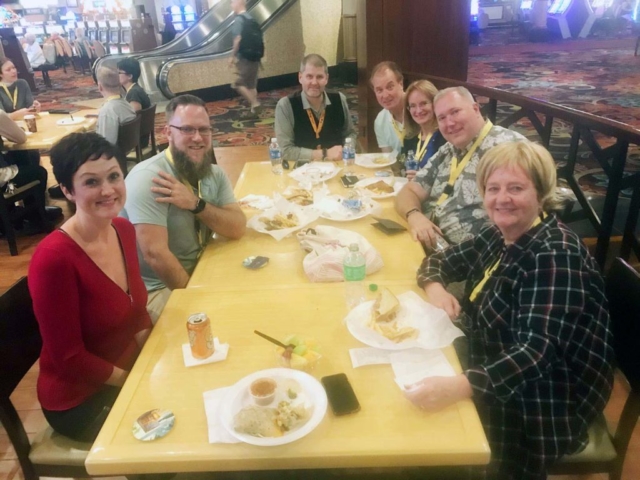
(462, 91)
(411, 128)
(534, 159)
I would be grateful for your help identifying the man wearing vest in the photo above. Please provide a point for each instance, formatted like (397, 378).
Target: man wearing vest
(313, 124)
(444, 198)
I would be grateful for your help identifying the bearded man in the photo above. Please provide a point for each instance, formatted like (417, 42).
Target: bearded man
(176, 199)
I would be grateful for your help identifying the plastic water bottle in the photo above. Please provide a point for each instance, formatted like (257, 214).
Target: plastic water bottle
(411, 163)
(355, 269)
(276, 157)
(348, 154)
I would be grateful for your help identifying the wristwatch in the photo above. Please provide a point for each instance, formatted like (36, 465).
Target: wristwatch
(199, 206)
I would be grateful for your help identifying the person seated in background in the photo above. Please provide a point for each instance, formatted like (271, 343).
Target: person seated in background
(421, 126)
(444, 199)
(88, 296)
(313, 124)
(386, 80)
(115, 111)
(177, 199)
(22, 174)
(535, 314)
(15, 94)
(33, 51)
(128, 74)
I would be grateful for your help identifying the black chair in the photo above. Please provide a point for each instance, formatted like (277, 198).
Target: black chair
(129, 137)
(148, 130)
(45, 68)
(605, 452)
(10, 214)
(48, 454)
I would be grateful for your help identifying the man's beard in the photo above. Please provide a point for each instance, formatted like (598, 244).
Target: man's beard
(189, 170)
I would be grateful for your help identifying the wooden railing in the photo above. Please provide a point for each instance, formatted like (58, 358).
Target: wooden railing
(586, 128)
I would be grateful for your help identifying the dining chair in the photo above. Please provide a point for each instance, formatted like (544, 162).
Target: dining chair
(49, 454)
(10, 214)
(605, 453)
(148, 131)
(129, 137)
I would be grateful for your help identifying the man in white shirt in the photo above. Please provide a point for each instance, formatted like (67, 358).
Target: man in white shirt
(386, 81)
(33, 51)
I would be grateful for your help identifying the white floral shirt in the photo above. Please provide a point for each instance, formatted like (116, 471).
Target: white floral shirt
(461, 215)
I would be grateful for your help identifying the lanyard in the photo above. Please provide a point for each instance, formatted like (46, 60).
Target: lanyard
(132, 85)
(457, 168)
(13, 99)
(421, 149)
(399, 131)
(202, 232)
(489, 271)
(317, 128)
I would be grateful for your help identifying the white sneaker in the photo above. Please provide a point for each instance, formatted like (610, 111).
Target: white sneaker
(7, 174)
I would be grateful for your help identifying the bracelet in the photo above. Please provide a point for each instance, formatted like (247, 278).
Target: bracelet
(413, 210)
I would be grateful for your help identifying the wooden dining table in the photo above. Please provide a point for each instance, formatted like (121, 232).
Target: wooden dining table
(50, 132)
(388, 431)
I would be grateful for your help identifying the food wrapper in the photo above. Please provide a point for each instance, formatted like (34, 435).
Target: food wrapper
(395, 182)
(336, 207)
(435, 329)
(282, 207)
(315, 172)
(258, 202)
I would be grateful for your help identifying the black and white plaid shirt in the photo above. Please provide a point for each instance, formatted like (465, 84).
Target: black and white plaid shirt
(539, 342)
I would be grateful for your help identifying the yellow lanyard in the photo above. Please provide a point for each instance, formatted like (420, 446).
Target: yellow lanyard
(457, 168)
(132, 85)
(202, 233)
(112, 97)
(13, 99)
(489, 271)
(421, 149)
(316, 128)
(399, 131)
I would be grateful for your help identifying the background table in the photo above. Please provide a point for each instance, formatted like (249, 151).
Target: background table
(388, 431)
(49, 132)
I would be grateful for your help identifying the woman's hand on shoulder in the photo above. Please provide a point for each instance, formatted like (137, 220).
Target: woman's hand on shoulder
(439, 297)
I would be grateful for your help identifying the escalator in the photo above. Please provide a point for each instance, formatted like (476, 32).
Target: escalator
(208, 38)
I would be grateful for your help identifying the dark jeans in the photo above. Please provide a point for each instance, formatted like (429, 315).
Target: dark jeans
(83, 423)
(23, 158)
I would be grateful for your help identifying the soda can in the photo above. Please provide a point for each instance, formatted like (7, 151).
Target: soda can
(200, 337)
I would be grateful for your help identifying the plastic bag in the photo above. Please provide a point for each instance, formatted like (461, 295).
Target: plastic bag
(327, 247)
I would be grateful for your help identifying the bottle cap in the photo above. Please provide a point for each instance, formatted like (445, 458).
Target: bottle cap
(274, 140)
(373, 287)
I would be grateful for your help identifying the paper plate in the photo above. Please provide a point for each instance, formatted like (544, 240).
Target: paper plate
(373, 160)
(330, 209)
(396, 182)
(63, 122)
(239, 397)
(435, 330)
(315, 172)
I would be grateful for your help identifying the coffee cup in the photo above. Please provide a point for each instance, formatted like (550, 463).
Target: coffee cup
(30, 121)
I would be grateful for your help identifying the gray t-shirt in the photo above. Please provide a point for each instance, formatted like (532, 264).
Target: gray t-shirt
(112, 114)
(462, 214)
(182, 226)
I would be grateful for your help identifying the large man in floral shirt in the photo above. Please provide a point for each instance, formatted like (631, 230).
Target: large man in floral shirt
(444, 197)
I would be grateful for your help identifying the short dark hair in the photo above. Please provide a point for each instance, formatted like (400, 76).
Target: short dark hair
(130, 66)
(387, 65)
(72, 151)
(180, 100)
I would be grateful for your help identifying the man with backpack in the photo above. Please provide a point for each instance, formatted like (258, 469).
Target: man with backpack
(248, 50)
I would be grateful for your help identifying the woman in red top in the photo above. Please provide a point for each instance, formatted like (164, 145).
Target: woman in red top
(87, 292)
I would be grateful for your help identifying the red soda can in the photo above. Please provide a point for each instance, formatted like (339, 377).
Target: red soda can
(200, 337)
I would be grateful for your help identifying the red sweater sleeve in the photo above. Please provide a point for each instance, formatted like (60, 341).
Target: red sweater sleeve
(53, 283)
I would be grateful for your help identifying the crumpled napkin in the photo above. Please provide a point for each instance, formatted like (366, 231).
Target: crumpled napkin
(212, 404)
(220, 354)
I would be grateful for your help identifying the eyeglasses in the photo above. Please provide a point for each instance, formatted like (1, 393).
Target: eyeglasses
(204, 131)
(120, 72)
(413, 106)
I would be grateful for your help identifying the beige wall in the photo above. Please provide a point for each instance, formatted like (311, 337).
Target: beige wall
(308, 26)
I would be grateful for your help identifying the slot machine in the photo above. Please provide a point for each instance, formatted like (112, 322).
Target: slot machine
(19, 31)
(597, 9)
(103, 34)
(71, 29)
(557, 13)
(91, 30)
(189, 16)
(125, 36)
(114, 37)
(474, 28)
(51, 28)
(38, 31)
(177, 18)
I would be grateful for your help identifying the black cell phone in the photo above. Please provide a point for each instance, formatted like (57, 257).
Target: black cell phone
(349, 180)
(340, 394)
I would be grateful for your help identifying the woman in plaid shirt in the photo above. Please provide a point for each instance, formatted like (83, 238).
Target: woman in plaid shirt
(536, 319)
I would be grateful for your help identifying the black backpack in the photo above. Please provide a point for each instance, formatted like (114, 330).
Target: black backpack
(251, 43)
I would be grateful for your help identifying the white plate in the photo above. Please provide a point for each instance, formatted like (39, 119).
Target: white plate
(366, 160)
(435, 330)
(63, 122)
(315, 172)
(396, 182)
(330, 209)
(239, 397)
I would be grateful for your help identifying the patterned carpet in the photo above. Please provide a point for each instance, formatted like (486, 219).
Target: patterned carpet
(603, 82)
